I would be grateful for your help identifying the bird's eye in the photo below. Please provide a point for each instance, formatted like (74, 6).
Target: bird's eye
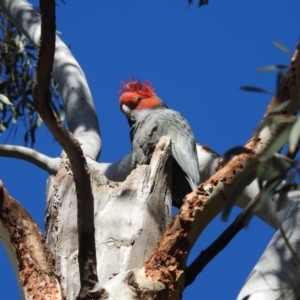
(138, 100)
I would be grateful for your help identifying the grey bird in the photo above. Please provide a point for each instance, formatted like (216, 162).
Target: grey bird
(150, 119)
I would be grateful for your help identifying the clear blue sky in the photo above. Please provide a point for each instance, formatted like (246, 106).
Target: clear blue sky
(196, 60)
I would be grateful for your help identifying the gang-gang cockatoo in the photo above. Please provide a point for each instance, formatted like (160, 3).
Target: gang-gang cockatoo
(150, 119)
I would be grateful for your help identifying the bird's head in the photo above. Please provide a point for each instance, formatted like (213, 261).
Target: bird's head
(137, 97)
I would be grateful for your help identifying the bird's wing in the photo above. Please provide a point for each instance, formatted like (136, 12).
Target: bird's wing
(174, 125)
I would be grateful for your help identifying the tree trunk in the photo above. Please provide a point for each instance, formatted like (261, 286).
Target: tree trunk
(130, 217)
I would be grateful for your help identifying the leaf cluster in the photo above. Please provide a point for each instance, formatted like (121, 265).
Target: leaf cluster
(17, 66)
(276, 173)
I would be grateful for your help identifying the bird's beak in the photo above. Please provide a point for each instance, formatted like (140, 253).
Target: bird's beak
(126, 110)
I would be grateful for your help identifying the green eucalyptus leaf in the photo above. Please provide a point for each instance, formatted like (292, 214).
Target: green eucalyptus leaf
(5, 100)
(264, 123)
(280, 107)
(277, 144)
(281, 46)
(3, 126)
(21, 46)
(294, 135)
(201, 2)
(273, 168)
(14, 114)
(266, 193)
(255, 89)
(62, 114)
(244, 180)
(272, 68)
(39, 121)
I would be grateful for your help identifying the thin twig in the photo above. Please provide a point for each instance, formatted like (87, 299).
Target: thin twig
(168, 259)
(220, 243)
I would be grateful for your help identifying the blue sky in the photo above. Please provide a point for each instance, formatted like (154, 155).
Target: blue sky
(196, 59)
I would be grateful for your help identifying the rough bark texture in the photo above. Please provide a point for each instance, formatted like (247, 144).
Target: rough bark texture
(130, 217)
(24, 240)
(167, 262)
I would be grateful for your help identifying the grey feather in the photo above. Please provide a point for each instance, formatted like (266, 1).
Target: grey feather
(146, 132)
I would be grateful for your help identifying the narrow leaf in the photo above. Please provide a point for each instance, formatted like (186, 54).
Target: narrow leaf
(5, 100)
(277, 143)
(2, 127)
(39, 121)
(280, 107)
(294, 136)
(236, 192)
(271, 68)
(264, 123)
(254, 89)
(280, 46)
(203, 2)
(62, 115)
(276, 167)
(267, 192)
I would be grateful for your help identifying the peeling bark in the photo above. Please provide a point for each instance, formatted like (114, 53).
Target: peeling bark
(168, 260)
(25, 243)
(130, 217)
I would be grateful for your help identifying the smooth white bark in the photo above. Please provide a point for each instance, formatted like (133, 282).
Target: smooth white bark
(133, 284)
(79, 107)
(130, 217)
(277, 273)
(46, 163)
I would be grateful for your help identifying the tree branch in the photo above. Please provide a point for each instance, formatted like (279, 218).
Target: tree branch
(130, 218)
(85, 199)
(207, 255)
(80, 112)
(167, 262)
(49, 164)
(276, 274)
(25, 245)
